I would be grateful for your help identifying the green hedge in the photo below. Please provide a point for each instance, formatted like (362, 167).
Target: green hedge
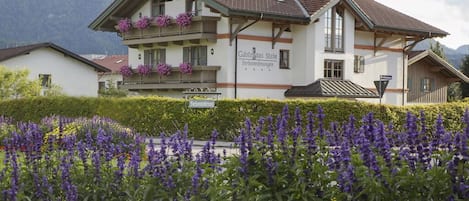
(155, 115)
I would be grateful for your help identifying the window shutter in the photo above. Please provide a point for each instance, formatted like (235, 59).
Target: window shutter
(186, 52)
(147, 57)
(162, 56)
(432, 82)
(422, 85)
(203, 55)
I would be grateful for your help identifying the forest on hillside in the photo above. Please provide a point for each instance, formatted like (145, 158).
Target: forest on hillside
(63, 22)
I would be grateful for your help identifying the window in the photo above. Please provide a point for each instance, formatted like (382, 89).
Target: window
(196, 55)
(154, 57)
(333, 69)
(157, 8)
(45, 80)
(359, 64)
(119, 84)
(193, 6)
(334, 30)
(427, 85)
(284, 59)
(101, 85)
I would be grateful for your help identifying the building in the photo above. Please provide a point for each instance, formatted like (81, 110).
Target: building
(114, 77)
(52, 64)
(429, 77)
(270, 48)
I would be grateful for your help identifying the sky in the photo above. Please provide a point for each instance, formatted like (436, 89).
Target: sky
(451, 16)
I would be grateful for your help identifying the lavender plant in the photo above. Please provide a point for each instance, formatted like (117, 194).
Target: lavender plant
(290, 157)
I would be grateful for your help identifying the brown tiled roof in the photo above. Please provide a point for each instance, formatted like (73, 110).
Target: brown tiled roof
(113, 62)
(331, 88)
(17, 51)
(433, 59)
(268, 9)
(388, 19)
(312, 6)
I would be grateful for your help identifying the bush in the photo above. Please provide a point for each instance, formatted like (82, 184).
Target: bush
(156, 115)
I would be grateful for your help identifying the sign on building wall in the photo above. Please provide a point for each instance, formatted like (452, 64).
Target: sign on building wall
(257, 59)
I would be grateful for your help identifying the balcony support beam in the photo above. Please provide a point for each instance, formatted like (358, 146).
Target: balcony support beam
(282, 28)
(239, 23)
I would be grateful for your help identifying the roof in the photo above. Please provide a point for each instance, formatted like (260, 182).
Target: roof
(288, 10)
(374, 15)
(331, 88)
(9, 53)
(382, 18)
(113, 62)
(435, 60)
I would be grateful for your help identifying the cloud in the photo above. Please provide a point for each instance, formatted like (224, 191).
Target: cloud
(448, 15)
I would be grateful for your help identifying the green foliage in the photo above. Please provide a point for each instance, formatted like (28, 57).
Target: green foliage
(465, 70)
(15, 84)
(156, 115)
(438, 50)
(112, 91)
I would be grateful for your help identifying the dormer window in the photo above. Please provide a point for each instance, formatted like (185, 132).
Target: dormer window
(334, 30)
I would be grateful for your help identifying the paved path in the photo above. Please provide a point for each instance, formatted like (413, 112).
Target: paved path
(199, 144)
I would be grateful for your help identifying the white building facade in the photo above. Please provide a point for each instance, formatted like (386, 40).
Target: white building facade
(278, 49)
(75, 75)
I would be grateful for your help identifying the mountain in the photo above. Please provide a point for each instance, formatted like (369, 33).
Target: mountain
(63, 22)
(454, 56)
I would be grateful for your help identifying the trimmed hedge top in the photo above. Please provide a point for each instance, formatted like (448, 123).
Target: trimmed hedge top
(156, 115)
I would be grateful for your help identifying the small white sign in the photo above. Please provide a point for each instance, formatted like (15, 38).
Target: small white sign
(385, 77)
(201, 104)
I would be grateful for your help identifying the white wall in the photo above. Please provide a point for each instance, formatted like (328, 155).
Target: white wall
(384, 62)
(75, 77)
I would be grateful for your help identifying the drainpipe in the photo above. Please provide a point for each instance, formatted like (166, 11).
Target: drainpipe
(236, 54)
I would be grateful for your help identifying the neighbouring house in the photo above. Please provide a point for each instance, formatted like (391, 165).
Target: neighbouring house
(429, 76)
(114, 77)
(267, 48)
(52, 64)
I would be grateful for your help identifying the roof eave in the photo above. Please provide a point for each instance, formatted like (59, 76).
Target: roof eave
(427, 34)
(95, 25)
(440, 60)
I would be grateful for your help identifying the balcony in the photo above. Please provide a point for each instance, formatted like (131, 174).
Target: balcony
(202, 27)
(201, 77)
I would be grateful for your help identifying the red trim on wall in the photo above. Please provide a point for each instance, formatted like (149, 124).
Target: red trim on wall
(255, 38)
(370, 47)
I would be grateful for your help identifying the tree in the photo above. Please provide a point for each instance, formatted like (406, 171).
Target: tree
(15, 84)
(465, 71)
(454, 89)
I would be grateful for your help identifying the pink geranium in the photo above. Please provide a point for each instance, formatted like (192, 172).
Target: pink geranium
(124, 25)
(184, 19)
(126, 71)
(143, 23)
(163, 20)
(185, 68)
(163, 69)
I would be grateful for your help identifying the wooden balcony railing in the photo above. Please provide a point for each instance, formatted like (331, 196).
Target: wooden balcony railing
(201, 77)
(202, 27)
